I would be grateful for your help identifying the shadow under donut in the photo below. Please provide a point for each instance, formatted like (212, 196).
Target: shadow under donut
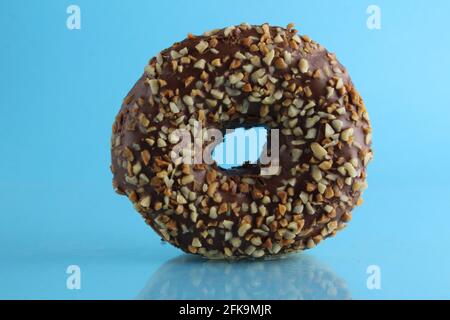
(298, 277)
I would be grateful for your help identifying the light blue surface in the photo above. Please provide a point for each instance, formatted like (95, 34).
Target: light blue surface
(60, 90)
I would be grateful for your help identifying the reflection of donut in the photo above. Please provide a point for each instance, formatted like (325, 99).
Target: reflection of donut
(244, 76)
(295, 277)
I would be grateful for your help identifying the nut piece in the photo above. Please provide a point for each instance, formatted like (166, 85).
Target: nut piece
(319, 151)
(316, 174)
(145, 154)
(187, 179)
(154, 86)
(202, 46)
(280, 63)
(346, 134)
(235, 78)
(217, 94)
(303, 65)
(326, 165)
(243, 229)
(188, 100)
(196, 243)
(200, 64)
(269, 57)
(145, 202)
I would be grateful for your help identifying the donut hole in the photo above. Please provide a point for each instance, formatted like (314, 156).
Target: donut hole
(240, 149)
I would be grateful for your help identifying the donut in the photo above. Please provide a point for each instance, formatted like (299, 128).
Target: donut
(244, 76)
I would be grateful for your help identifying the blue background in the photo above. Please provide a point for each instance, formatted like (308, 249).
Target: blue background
(60, 90)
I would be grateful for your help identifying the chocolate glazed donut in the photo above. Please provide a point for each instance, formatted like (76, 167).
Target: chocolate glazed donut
(244, 76)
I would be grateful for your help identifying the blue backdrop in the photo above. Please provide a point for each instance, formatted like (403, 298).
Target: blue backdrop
(61, 88)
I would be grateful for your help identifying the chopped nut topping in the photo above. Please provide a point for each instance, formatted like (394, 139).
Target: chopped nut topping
(187, 179)
(188, 100)
(200, 64)
(235, 78)
(196, 243)
(202, 46)
(145, 202)
(318, 151)
(303, 65)
(154, 86)
(346, 134)
(280, 63)
(247, 87)
(216, 62)
(145, 155)
(269, 57)
(326, 165)
(243, 229)
(217, 94)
